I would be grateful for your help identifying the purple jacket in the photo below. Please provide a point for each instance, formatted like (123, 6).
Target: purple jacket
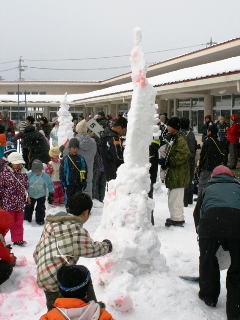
(13, 187)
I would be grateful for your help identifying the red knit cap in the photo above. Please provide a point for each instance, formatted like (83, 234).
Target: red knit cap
(208, 116)
(222, 170)
(234, 117)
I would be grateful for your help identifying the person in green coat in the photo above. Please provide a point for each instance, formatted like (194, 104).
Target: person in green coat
(176, 162)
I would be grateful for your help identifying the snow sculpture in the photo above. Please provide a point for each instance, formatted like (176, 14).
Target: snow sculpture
(127, 208)
(65, 130)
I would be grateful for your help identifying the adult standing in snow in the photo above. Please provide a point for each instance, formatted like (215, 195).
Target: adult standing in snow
(233, 135)
(45, 126)
(217, 221)
(204, 129)
(163, 136)
(54, 132)
(189, 136)
(6, 122)
(210, 157)
(101, 119)
(112, 152)
(222, 137)
(87, 149)
(37, 144)
(178, 174)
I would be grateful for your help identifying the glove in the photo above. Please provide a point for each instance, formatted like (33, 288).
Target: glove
(50, 198)
(163, 163)
(84, 184)
(9, 247)
(63, 184)
(61, 148)
(109, 243)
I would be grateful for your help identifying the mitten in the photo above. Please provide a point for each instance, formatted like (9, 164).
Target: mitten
(109, 243)
(50, 198)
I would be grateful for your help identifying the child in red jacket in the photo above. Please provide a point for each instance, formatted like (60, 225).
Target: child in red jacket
(7, 259)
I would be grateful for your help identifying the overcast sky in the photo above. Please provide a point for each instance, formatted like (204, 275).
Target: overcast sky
(82, 29)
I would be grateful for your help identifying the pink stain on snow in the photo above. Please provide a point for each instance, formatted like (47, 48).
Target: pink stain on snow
(133, 211)
(111, 193)
(141, 80)
(21, 261)
(104, 267)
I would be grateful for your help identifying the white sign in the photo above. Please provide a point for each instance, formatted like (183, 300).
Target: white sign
(95, 127)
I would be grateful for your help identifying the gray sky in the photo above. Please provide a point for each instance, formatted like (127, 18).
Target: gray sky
(81, 29)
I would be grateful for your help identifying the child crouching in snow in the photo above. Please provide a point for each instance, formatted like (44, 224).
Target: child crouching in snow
(73, 286)
(63, 242)
(52, 169)
(13, 192)
(39, 182)
(7, 259)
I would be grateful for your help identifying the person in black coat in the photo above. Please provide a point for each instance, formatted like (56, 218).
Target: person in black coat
(111, 149)
(204, 129)
(211, 156)
(37, 144)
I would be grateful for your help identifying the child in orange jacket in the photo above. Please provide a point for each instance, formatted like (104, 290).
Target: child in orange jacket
(73, 283)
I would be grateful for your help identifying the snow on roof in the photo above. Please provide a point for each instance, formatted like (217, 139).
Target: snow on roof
(226, 66)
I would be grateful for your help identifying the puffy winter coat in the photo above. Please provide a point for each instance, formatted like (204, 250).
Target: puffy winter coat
(38, 185)
(77, 309)
(178, 174)
(38, 145)
(73, 170)
(112, 153)
(233, 133)
(13, 188)
(217, 213)
(63, 242)
(211, 154)
(6, 221)
(87, 150)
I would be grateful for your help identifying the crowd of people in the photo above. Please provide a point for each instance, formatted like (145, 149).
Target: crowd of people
(76, 173)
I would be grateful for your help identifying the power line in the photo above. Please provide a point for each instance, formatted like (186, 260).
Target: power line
(8, 69)
(8, 62)
(75, 69)
(115, 56)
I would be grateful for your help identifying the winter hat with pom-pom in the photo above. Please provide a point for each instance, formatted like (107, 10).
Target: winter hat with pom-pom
(222, 170)
(81, 127)
(73, 281)
(54, 152)
(174, 123)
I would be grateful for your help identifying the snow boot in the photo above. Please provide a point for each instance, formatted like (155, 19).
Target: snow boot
(208, 300)
(170, 223)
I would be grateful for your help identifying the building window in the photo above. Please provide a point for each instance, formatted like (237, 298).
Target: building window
(11, 92)
(183, 103)
(222, 101)
(236, 100)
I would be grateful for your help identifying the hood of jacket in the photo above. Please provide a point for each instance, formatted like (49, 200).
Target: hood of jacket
(108, 133)
(77, 309)
(84, 141)
(29, 129)
(63, 216)
(222, 178)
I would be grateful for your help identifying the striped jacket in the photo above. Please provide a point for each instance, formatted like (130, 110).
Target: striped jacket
(63, 242)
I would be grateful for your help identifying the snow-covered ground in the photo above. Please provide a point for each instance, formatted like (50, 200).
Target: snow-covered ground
(155, 296)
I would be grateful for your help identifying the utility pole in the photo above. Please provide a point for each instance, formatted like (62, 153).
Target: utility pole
(210, 43)
(21, 68)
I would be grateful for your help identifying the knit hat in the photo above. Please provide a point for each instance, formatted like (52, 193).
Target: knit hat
(54, 152)
(81, 127)
(222, 170)
(221, 117)
(5, 112)
(15, 158)
(30, 119)
(44, 119)
(174, 123)
(184, 123)
(37, 166)
(73, 280)
(101, 113)
(22, 126)
(162, 117)
(208, 116)
(10, 147)
(234, 117)
(73, 143)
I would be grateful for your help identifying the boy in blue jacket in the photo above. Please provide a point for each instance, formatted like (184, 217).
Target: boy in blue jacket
(73, 171)
(38, 182)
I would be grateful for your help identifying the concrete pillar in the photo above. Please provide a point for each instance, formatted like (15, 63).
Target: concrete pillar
(46, 112)
(207, 104)
(174, 108)
(169, 109)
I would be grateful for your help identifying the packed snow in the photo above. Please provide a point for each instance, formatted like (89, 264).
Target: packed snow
(155, 295)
